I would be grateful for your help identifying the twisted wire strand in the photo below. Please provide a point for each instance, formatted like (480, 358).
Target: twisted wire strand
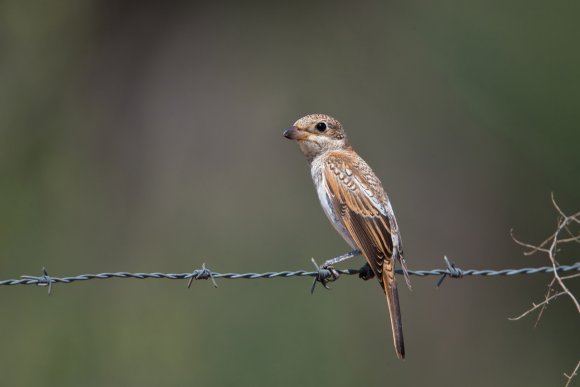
(321, 274)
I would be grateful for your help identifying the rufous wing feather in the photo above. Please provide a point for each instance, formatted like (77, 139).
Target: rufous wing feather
(365, 217)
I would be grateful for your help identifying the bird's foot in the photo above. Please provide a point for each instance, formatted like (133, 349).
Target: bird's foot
(365, 272)
(327, 274)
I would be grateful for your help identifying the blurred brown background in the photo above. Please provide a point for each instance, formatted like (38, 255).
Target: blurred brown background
(146, 137)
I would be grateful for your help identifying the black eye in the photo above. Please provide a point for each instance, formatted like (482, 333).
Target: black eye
(321, 126)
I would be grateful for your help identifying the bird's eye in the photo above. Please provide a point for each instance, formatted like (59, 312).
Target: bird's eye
(321, 126)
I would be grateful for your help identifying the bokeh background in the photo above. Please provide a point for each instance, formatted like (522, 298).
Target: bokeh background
(141, 136)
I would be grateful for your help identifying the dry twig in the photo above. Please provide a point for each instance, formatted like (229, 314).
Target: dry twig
(571, 376)
(550, 247)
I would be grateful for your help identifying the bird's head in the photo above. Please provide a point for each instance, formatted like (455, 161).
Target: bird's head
(317, 134)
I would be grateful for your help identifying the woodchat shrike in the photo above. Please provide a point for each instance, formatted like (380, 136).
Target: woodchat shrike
(356, 204)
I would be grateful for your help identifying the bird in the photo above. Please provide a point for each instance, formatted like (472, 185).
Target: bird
(356, 204)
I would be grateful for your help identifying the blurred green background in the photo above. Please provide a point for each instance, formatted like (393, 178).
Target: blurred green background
(147, 137)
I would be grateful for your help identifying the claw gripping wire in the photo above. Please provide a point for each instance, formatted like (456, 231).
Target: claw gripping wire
(324, 275)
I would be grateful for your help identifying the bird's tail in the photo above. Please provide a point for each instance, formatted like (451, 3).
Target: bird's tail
(390, 287)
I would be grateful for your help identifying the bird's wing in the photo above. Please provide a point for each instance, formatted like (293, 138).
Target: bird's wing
(364, 210)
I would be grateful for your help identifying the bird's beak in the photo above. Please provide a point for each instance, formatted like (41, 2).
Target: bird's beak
(295, 133)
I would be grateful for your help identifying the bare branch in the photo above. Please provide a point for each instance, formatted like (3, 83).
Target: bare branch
(575, 238)
(552, 254)
(570, 276)
(571, 376)
(551, 246)
(536, 306)
(556, 205)
(550, 291)
(571, 239)
(533, 249)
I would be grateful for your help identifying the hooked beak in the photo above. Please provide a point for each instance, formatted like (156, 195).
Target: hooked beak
(294, 133)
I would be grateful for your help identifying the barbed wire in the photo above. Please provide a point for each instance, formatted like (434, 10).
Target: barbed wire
(322, 275)
(325, 274)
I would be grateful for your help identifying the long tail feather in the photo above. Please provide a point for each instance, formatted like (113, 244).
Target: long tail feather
(390, 286)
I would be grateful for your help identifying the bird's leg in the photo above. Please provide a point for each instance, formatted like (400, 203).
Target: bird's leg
(365, 272)
(340, 258)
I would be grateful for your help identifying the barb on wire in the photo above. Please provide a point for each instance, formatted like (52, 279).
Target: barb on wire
(204, 273)
(43, 280)
(324, 275)
(453, 272)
